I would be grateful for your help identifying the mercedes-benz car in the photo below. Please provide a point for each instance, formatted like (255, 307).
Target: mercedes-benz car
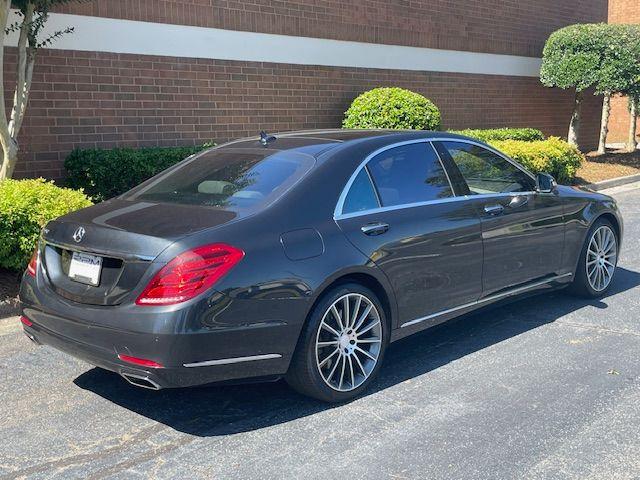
(303, 255)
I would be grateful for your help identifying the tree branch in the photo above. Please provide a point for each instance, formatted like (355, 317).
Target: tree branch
(5, 139)
(21, 92)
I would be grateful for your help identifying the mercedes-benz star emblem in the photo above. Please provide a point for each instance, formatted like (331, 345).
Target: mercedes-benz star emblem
(78, 235)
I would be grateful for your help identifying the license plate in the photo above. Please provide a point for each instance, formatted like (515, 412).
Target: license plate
(85, 268)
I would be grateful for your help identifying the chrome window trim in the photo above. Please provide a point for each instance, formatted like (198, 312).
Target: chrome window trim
(373, 187)
(513, 291)
(338, 215)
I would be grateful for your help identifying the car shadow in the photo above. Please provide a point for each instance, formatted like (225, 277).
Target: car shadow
(222, 410)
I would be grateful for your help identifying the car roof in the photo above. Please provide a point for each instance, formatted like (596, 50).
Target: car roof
(315, 142)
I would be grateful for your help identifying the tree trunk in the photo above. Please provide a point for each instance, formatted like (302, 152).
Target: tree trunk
(604, 124)
(633, 122)
(9, 160)
(575, 119)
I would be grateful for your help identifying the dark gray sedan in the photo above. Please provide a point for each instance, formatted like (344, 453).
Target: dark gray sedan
(302, 255)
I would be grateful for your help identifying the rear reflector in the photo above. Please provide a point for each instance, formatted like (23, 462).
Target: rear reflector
(25, 321)
(32, 268)
(189, 274)
(143, 362)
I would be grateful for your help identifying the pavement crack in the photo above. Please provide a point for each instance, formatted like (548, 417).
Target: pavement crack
(86, 457)
(598, 328)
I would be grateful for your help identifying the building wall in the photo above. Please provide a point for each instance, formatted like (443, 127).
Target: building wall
(104, 99)
(495, 26)
(621, 11)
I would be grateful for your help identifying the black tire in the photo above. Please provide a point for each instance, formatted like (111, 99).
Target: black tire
(304, 374)
(581, 285)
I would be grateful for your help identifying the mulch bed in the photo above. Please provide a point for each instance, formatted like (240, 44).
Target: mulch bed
(613, 164)
(9, 283)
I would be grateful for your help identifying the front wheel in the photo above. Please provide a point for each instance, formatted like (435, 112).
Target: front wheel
(342, 345)
(598, 261)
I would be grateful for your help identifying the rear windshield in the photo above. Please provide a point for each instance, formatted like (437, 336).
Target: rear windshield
(235, 179)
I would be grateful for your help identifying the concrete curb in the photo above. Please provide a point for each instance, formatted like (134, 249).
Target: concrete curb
(614, 182)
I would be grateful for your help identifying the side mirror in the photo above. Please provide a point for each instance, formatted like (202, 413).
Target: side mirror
(545, 183)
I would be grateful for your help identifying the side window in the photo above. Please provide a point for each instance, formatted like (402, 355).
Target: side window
(409, 174)
(361, 195)
(487, 172)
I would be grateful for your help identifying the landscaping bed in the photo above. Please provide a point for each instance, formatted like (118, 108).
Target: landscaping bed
(612, 164)
(9, 283)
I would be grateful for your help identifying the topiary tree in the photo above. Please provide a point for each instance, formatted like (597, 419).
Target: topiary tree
(633, 92)
(394, 108)
(573, 58)
(620, 68)
(31, 18)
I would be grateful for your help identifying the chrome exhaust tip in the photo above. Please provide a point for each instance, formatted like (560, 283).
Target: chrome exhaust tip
(32, 338)
(140, 381)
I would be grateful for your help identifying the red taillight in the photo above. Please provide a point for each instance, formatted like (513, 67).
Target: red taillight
(190, 274)
(25, 321)
(143, 362)
(32, 268)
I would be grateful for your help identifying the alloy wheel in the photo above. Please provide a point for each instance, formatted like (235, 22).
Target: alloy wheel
(601, 258)
(348, 342)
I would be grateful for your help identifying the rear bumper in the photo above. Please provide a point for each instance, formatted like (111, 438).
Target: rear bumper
(216, 339)
(47, 329)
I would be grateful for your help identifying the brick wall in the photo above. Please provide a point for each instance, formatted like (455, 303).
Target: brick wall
(621, 11)
(91, 99)
(496, 26)
(84, 99)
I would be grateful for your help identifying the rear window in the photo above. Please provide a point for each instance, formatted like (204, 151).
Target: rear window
(233, 179)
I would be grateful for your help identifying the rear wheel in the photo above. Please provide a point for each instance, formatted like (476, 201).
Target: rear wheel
(598, 261)
(342, 345)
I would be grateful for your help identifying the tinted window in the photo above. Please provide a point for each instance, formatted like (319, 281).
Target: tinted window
(240, 179)
(487, 172)
(409, 174)
(361, 195)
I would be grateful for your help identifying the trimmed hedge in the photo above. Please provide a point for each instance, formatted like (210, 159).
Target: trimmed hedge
(486, 135)
(25, 207)
(104, 174)
(394, 108)
(554, 156)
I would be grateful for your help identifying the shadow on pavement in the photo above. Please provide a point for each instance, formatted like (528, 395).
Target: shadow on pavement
(222, 410)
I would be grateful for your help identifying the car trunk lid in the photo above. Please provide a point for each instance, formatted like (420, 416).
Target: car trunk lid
(125, 237)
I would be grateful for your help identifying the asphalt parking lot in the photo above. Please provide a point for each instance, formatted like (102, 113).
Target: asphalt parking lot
(548, 387)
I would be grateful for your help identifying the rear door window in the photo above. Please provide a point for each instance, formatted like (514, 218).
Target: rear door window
(362, 195)
(409, 174)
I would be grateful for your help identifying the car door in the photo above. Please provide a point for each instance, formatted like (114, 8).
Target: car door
(400, 210)
(522, 230)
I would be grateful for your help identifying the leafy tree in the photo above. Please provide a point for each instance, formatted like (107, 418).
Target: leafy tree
(30, 20)
(573, 58)
(633, 91)
(620, 69)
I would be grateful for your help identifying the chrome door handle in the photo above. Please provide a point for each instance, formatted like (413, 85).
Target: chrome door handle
(493, 209)
(373, 229)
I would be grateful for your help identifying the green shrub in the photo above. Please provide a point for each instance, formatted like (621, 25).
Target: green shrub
(486, 135)
(105, 174)
(393, 108)
(554, 156)
(25, 207)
